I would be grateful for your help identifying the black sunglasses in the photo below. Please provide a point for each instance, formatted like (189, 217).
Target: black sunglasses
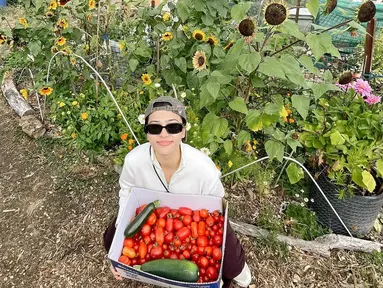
(156, 129)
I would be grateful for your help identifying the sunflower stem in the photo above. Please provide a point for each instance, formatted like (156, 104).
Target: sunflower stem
(98, 40)
(158, 55)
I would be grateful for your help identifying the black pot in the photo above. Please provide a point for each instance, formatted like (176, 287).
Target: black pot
(358, 212)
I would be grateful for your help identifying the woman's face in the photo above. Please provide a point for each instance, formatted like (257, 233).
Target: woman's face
(165, 143)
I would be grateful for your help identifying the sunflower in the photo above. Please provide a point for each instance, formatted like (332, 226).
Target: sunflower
(275, 13)
(212, 40)
(49, 14)
(72, 61)
(62, 23)
(3, 39)
(199, 60)
(345, 78)
(89, 17)
(229, 45)
(54, 49)
(330, 6)
(167, 36)
(23, 22)
(60, 41)
(146, 79)
(91, 4)
(199, 35)
(45, 91)
(66, 50)
(63, 2)
(166, 17)
(52, 5)
(246, 27)
(366, 11)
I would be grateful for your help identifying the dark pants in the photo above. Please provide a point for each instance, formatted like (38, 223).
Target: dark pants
(233, 262)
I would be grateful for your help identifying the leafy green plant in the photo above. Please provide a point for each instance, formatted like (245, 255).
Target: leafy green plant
(267, 219)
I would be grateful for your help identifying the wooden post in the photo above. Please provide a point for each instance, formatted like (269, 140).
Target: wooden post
(297, 11)
(369, 48)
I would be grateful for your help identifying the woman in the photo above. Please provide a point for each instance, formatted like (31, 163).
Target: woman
(166, 163)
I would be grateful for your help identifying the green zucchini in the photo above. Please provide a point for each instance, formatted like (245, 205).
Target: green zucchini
(174, 269)
(135, 226)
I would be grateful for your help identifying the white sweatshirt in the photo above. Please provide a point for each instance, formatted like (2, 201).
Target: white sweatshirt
(197, 174)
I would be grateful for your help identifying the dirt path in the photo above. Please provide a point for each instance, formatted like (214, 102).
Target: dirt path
(56, 203)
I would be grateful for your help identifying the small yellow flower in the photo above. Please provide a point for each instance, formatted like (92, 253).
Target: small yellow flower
(130, 141)
(86, 47)
(45, 91)
(285, 119)
(229, 164)
(24, 93)
(146, 79)
(255, 142)
(89, 17)
(283, 112)
(66, 50)
(84, 116)
(74, 135)
(62, 104)
(167, 36)
(92, 4)
(73, 61)
(62, 23)
(121, 45)
(166, 16)
(254, 147)
(130, 147)
(141, 92)
(291, 120)
(52, 5)
(3, 39)
(124, 136)
(74, 103)
(185, 28)
(288, 94)
(49, 14)
(199, 35)
(23, 22)
(60, 41)
(54, 49)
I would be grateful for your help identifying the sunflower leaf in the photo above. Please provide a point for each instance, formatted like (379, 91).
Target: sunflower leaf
(228, 145)
(207, 19)
(274, 149)
(313, 6)
(238, 12)
(294, 173)
(249, 62)
(213, 89)
(292, 28)
(307, 62)
(183, 9)
(242, 138)
(238, 104)
(181, 63)
(271, 67)
(133, 63)
(302, 104)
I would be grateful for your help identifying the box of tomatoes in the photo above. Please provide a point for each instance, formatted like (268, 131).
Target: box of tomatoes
(171, 240)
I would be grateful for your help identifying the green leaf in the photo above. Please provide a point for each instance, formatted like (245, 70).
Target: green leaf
(292, 28)
(235, 50)
(378, 225)
(274, 149)
(357, 26)
(307, 62)
(213, 89)
(183, 9)
(160, 28)
(133, 63)
(337, 138)
(34, 47)
(321, 44)
(368, 181)
(38, 4)
(294, 173)
(207, 19)
(271, 67)
(217, 76)
(238, 104)
(321, 88)
(327, 76)
(181, 63)
(228, 145)
(357, 177)
(249, 62)
(293, 144)
(272, 109)
(379, 166)
(238, 12)
(292, 70)
(242, 138)
(313, 6)
(302, 104)
(212, 125)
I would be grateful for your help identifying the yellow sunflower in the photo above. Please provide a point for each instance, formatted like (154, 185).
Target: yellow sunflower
(62, 23)
(199, 60)
(52, 5)
(46, 91)
(212, 40)
(66, 50)
(73, 135)
(199, 35)
(229, 45)
(92, 4)
(3, 39)
(167, 36)
(73, 61)
(166, 16)
(146, 79)
(275, 13)
(60, 41)
(84, 116)
(49, 14)
(23, 22)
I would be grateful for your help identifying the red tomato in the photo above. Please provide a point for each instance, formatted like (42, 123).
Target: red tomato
(165, 246)
(156, 252)
(141, 261)
(169, 237)
(173, 255)
(186, 254)
(212, 273)
(194, 229)
(217, 266)
(169, 225)
(161, 222)
(202, 241)
(196, 216)
(201, 228)
(211, 261)
(145, 230)
(220, 231)
(135, 247)
(216, 213)
(211, 233)
(214, 227)
(217, 254)
(187, 220)
(217, 239)
(181, 257)
(204, 213)
(152, 219)
(124, 259)
(160, 236)
(177, 242)
(210, 221)
(142, 250)
(208, 251)
(195, 258)
(150, 247)
(185, 211)
(203, 262)
(202, 271)
(147, 239)
(162, 212)
(173, 212)
(166, 253)
(129, 242)
(183, 233)
(177, 224)
(200, 250)
(153, 236)
(134, 262)
(139, 209)
(129, 252)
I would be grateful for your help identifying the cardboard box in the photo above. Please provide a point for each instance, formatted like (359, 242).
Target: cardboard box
(139, 196)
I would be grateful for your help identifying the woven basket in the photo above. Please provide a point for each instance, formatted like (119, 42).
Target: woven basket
(357, 212)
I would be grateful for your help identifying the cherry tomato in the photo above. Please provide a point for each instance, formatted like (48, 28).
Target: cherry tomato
(194, 229)
(177, 224)
(195, 258)
(152, 219)
(200, 250)
(145, 230)
(124, 259)
(177, 242)
(129, 242)
(173, 212)
(153, 236)
(220, 231)
(216, 213)
(204, 213)
(162, 212)
(217, 254)
(135, 248)
(161, 222)
(129, 252)
(156, 252)
(185, 211)
(169, 225)
(147, 239)
(165, 246)
(150, 247)
(212, 273)
(209, 221)
(196, 216)
(169, 237)
(187, 220)
(211, 233)
(166, 253)
(217, 239)
(208, 251)
(202, 271)
(203, 262)
(133, 262)
(214, 227)
(160, 236)
(142, 250)
(186, 254)
(173, 255)
(139, 209)
(202, 241)
(183, 233)
(201, 228)
(217, 266)
(141, 261)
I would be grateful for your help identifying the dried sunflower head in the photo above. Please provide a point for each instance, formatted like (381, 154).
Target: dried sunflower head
(366, 11)
(275, 13)
(345, 78)
(246, 27)
(330, 6)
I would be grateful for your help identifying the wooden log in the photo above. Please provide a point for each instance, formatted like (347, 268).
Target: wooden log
(321, 245)
(14, 99)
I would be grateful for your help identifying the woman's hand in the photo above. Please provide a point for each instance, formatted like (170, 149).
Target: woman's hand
(116, 274)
